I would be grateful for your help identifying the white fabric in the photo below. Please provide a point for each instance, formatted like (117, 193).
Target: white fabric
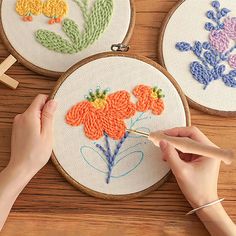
(187, 24)
(21, 34)
(116, 73)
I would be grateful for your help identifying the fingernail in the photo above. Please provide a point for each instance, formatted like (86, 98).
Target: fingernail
(163, 145)
(52, 106)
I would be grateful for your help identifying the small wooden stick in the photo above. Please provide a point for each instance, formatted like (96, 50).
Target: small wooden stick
(187, 145)
(9, 82)
(5, 79)
(6, 64)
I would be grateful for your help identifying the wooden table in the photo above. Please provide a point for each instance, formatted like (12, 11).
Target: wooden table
(51, 206)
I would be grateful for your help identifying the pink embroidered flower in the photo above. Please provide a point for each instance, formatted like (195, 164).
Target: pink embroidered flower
(219, 40)
(232, 61)
(230, 27)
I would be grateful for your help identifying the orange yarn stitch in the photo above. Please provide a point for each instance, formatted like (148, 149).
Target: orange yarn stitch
(149, 99)
(102, 113)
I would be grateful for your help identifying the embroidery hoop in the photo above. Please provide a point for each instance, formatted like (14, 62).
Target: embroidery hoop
(161, 59)
(51, 73)
(74, 68)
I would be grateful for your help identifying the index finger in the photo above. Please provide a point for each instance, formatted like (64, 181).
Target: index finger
(38, 103)
(190, 132)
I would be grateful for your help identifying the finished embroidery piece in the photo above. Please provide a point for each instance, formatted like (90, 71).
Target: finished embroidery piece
(98, 102)
(203, 60)
(49, 36)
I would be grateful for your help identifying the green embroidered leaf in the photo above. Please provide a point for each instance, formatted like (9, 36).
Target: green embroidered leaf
(54, 42)
(71, 29)
(97, 21)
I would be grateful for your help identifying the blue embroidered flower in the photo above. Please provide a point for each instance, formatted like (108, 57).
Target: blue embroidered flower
(213, 54)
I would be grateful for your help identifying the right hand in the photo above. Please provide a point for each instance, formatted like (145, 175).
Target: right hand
(197, 176)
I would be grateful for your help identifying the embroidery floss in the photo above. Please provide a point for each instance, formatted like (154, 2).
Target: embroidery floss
(95, 23)
(212, 55)
(27, 8)
(55, 10)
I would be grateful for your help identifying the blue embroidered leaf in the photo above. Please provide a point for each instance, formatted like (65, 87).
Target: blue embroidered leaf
(206, 45)
(221, 70)
(221, 26)
(200, 73)
(209, 26)
(210, 58)
(216, 4)
(232, 73)
(197, 48)
(210, 15)
(216, 72)
(223, 57)
(183, 47)
(229, 81)
(127, 164)
(224, 12)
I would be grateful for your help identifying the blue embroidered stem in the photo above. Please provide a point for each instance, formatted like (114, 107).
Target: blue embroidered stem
(107, 151)
(111, 163)
(107, 144)
(103, 150)
(200, 58)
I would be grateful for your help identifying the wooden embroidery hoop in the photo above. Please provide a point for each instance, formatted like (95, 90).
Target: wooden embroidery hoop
(104, 55)
(162, 62)
(50, 73)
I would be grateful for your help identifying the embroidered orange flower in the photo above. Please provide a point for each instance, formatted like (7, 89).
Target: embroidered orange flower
(149, 99)
(102, 113)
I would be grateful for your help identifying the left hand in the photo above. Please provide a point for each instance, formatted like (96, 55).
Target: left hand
(32, 135)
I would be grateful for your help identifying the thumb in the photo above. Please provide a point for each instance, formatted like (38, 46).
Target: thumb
(48, 117)
(171, 156)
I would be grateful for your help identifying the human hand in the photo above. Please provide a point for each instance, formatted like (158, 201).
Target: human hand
(32, 136)
(197, 176)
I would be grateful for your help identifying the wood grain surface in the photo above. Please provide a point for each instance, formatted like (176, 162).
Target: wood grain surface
(51, 206)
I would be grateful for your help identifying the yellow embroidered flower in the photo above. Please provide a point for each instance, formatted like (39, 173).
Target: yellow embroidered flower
(55, 9)
(27, 8)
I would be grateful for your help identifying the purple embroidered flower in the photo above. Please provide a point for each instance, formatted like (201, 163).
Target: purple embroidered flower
(219, 40)
(232, 61)
(230, 27)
